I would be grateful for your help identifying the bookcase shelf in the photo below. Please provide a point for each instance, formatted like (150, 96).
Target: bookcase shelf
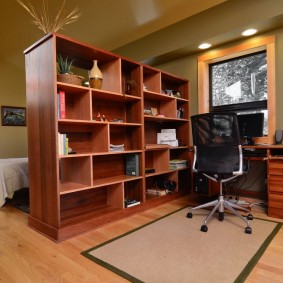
(85, 188)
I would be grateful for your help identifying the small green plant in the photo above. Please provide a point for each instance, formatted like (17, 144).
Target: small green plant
(64, 65)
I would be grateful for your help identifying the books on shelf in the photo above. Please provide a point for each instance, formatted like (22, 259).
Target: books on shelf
(178, 163)
(63, 144)
(132, 165)
(156, 191)
(131, 202)
(61, 105)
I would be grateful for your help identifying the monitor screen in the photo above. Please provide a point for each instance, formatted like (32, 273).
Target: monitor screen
(251, 125)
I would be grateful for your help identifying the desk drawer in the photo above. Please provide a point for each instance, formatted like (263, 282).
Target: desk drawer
(275, 205)
(275, 184)
(275, 167)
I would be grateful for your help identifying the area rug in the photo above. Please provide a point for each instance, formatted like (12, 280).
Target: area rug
(173, 249)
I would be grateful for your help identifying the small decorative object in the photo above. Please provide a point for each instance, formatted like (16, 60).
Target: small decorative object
(130, 86)
(47, 23)
(116, 120)
(64, 72)
(176, 93)
(147, 112)
(169, 92)
(13, 116)
(154, 111)
(95, 76)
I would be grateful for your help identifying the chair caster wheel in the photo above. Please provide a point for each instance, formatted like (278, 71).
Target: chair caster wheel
(248, 230)
(203, 228)
(250, 217)
(221, 216)
(189, 215)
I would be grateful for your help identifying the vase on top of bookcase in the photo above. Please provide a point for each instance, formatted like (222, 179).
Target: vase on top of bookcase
(95, 76)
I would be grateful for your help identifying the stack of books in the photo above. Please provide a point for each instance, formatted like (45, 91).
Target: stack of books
(178, 164)
(117, 147)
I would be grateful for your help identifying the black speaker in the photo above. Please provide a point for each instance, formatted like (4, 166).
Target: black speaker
(278, 136)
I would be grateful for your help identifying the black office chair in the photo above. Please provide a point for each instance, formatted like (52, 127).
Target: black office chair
(218, 156)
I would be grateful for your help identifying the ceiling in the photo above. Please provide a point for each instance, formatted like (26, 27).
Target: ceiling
(127, 26)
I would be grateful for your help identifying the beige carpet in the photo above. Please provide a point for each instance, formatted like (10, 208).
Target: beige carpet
(173, 249)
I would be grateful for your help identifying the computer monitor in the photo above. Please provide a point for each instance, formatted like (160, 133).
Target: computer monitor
(251, 125)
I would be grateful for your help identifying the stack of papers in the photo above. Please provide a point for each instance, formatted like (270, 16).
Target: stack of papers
(178, 163)
(117, 147)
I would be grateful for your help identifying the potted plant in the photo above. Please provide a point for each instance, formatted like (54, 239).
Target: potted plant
(64, 73)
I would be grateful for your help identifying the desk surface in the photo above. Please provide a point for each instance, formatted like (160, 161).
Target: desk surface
(264, 146)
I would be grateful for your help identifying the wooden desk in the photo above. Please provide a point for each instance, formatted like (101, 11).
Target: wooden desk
(274, 159)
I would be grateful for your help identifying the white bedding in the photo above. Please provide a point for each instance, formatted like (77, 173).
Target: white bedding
(13, 176)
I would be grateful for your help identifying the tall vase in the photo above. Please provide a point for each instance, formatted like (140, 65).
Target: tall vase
(95, 76)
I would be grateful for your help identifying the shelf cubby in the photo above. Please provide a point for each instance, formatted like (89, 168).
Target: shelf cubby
(134, 190)
(131, 78)
(184, 181)
(123, 108)
(75, 174)
(77, 100)
(110, 169)
(128, 135)
(151, 79)
(86, 138)
(80, 206)
(170, 82)
(181, 127)
(158, 159)
(179, 153)
(165, 106)
(152, 180)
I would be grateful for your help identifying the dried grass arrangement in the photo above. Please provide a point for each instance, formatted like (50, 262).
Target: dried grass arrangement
(44, 21)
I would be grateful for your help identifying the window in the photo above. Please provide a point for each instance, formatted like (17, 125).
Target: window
(239, 85)
(240, 78)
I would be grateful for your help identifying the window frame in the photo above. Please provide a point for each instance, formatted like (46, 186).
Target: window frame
(253, 45)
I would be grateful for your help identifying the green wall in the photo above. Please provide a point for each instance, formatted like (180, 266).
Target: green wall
(13, 139)
(187, 67)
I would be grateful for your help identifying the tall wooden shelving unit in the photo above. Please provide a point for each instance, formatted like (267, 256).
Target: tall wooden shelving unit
(71, 194)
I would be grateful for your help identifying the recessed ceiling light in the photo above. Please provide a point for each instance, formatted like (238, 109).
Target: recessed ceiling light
(249, 32)
(204, 46)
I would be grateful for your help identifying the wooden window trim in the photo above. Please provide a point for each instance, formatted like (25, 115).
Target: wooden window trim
(248, 47)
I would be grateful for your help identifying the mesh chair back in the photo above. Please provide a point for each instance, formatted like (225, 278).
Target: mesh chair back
(215, 129)
(216, 139)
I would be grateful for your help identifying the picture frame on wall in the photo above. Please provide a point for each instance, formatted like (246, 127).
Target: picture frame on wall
(13, 116)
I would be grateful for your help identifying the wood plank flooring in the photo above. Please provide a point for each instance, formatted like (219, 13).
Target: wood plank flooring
(26, 256)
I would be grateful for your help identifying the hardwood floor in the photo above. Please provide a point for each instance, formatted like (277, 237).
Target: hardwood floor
(27, 256)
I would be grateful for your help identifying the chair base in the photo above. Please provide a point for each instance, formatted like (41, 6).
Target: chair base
(220, 205)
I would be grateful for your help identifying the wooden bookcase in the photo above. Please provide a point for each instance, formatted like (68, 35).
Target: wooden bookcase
(71, 194)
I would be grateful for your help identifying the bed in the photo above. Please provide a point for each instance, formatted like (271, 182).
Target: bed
(13, 176)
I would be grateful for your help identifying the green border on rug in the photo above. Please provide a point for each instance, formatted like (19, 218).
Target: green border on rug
(241, 277)
(113, 268)
(251, 264)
